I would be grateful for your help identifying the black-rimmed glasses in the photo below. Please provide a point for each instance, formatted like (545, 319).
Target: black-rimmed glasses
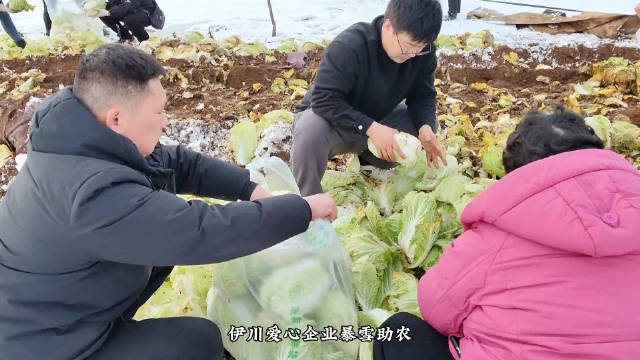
(426, 50)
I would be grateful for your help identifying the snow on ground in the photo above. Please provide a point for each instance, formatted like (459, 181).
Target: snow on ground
(317, 20)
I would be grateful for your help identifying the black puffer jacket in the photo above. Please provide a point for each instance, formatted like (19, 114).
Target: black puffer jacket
(121, 8)
(87, 217)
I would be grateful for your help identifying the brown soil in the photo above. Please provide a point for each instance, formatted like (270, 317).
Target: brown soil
(224, 93)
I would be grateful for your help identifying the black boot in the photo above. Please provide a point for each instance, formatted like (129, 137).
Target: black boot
(21, 43)
(450, 17)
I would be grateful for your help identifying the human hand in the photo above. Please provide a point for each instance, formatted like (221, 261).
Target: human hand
(431, 146)
(385, 143)
(259, 193)
(322, 207)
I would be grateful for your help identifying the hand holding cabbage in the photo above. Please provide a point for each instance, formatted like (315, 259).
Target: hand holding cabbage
(391, 145)
(408, 147)
(383, 139)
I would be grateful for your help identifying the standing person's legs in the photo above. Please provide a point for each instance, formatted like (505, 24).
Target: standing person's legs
(314, 142)
(426, 343)
(52, 8)
(454, 8)
(10, 28)
(136, 22)
(46, 18)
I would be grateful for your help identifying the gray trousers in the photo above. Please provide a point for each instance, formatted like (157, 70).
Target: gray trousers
(315, 141)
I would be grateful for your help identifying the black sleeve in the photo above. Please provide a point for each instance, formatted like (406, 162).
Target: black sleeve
(421, 101)
(123, 8)
(203, 175)
(125, 222)
(335, 79)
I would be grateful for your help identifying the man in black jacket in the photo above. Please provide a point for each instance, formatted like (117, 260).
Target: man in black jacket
(129, 16)
(90, 227)
(374, 79)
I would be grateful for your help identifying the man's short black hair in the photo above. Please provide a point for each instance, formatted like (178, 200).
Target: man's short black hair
(114, 74)
(541, 135)
(421, 19)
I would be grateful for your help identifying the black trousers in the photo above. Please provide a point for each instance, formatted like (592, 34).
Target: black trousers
(454, 6)
(187, 338)
(132, 23)
(426, 343)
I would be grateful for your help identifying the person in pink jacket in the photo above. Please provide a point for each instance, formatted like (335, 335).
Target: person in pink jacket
(548, 267)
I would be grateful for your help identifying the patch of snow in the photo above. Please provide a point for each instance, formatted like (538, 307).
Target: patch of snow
(316, 20)
(200, 136)
(20, 160)
(273, 140)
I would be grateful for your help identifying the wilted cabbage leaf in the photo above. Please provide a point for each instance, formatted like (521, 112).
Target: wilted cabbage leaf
(273, 117)
(183, 293)
(626, 137)
(420, 226)
(244, 141)
(602, 127)
(491, 157)
(403, 296)
(19, 5)
(5, 154)
(334, 179)
(191, 37)
(480, 40)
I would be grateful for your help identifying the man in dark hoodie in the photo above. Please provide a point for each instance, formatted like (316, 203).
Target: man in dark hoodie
(374, 80)
(90, 227)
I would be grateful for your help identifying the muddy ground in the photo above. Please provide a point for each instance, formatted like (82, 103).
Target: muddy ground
(205, 100)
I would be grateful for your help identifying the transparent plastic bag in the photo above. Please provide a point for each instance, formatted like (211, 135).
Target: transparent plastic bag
(77, 30)
(95, 8)
(273, 175)
(300, 286)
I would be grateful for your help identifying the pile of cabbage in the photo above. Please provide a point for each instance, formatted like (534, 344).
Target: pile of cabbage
(395, 223)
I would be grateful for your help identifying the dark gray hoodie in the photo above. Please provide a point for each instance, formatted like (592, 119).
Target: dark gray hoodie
(87, 217)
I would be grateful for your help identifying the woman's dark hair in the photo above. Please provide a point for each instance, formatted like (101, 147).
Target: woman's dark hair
(541, 135)
(421, 19)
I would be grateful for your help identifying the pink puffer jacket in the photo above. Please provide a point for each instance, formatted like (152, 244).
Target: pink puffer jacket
(548, 266)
